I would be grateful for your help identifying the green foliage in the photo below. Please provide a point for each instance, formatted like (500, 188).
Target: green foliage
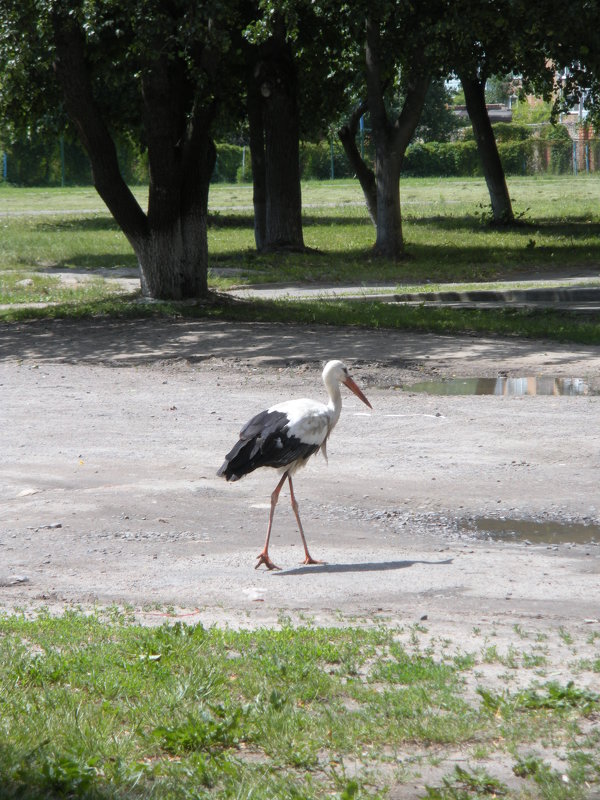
(525, 113)
(41, 160)
(442, 159)
(551, 697)
(498, 89)
(454, 159)
(465, 784)
(438, 123)
(504, 132)
(521, 153)
(210, 729)
(228, 167)
(315, 161)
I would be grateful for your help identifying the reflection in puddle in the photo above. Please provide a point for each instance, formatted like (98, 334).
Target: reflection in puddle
(513, 387)
(526, 530)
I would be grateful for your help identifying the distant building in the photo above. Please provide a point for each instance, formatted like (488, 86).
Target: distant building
(496, 112)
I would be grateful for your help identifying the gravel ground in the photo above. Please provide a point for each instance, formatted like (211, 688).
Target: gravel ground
(113, 433)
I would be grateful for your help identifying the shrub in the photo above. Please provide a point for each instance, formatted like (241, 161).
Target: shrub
(515, 156)
(315, 161)
(504, 132)
(229, 160)
(444, 159)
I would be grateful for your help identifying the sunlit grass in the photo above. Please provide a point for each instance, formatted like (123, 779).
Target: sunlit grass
(447, 241)
(96, 707)
(35, 287)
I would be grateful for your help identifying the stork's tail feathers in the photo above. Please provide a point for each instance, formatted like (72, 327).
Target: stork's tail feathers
(238, 462)
(226, 472)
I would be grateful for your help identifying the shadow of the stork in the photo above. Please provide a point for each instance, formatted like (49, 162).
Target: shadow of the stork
(369, 566)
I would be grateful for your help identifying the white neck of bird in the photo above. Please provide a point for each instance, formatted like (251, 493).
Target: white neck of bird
(335, 400)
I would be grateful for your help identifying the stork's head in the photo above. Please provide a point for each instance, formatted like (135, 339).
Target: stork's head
(337, 372)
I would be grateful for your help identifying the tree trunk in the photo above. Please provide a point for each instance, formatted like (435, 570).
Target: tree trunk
(181, 160)
(275, 80)
(487, 148)
(282, 150)
(389, 242)
(365, 175)
(391, 141)
(257, 157)
(178, 239)
(170, 240)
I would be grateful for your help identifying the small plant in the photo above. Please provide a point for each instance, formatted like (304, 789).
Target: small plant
(552, 784)
(552, 696)
(533, 660)
(565, 635)
(466, 785)
(209, 730)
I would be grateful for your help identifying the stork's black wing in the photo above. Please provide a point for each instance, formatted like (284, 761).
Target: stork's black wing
(264, 442)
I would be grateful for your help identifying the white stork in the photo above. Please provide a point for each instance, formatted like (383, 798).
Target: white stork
(285, 436)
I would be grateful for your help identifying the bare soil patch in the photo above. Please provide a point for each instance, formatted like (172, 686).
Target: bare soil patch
(113, 431)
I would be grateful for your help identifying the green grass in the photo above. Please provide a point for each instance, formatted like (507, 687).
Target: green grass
(97, 707)
(47, 231)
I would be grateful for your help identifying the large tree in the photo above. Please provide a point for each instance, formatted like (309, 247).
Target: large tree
(274, 122)
(143, 68)
(491, 38)
(294, 90)
(573, 54)
(401, 54)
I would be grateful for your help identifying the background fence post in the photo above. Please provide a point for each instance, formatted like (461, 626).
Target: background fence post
(331, 158)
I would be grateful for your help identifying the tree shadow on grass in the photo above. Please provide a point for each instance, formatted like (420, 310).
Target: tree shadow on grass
(569, 227)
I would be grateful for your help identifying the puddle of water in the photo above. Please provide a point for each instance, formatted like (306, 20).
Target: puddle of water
(511, 387)
(526, 530)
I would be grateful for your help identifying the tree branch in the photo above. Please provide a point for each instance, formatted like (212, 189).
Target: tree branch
(365, 175)
(72, 72)
(411, 110)
(375, 89)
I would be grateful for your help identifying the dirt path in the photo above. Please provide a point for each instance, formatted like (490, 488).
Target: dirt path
(112, 433)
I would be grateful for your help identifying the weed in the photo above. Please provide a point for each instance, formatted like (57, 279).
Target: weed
(564, 634)
(208, 730)
(465, 784)
(464, 661)
(551, 696)
(533, 660)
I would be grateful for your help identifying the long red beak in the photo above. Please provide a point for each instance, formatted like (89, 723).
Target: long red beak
(354, 388)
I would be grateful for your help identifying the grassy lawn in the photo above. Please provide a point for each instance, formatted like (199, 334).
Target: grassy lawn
(99, 707)
(45, 231)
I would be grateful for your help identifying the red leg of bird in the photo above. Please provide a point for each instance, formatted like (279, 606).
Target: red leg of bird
(308, 558)
(263, 558)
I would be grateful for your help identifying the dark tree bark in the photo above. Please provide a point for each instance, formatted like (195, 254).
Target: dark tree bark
(275, 80)
(257, 157)
(170, 240)
(365, 175)
(391, 140)
(487, 148)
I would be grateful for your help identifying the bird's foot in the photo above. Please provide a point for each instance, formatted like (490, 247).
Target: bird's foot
(310, 560)
(263, 558)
